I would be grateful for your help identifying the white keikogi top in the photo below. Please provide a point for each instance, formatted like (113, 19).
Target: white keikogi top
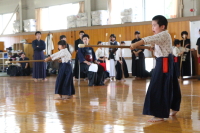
(178, 50)
(162, 42)
(119, 53)
(63, 54)
(101, 52)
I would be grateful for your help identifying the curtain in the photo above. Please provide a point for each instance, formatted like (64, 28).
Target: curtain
(38, 14)
(81, 7)
(177, 9)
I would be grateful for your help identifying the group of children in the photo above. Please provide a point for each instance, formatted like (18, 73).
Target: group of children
(163, 93)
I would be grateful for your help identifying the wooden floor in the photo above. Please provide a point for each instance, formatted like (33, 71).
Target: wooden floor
(28, 107)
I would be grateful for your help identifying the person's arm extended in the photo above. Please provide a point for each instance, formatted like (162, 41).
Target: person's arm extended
(136, 44)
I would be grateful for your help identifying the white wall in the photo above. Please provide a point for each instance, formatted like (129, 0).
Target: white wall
(8, 6)
(46, 3)
(189, 4)
(98, 5)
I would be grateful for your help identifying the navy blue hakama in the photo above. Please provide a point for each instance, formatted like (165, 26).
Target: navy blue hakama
(118, 67)
(39, 68)
(64, 81)
(164, 92)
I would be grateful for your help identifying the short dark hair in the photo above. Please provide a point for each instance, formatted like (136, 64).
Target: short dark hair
(22, 53)
(161, 20)
(38, 32)
(137, 32)
(86, 35)
(113, 35)
(62, 42)
(199, 30)
(184, 32)
(81, 32)
(122, 42)
(176, 42)
(62, 36)
(99, 42)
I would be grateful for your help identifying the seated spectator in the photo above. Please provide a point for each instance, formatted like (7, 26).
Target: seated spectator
(25, 67)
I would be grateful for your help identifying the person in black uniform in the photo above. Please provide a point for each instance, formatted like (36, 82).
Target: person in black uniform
(76, 65)
(87, 57)
(187, 60)
(121, 66)
(39, 68)
(198, 49)
(138, 60)
(25, 67)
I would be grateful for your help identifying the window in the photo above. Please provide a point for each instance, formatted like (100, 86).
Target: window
(55, 17)
(166, 8)
(142, 10)
(137, 9)
(4, 19)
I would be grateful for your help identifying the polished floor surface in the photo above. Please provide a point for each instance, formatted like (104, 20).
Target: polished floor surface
(28, 107)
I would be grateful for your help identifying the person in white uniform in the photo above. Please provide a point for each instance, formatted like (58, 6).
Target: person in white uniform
(112, 53)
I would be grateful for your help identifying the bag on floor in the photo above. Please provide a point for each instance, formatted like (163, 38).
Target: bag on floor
(13, 70)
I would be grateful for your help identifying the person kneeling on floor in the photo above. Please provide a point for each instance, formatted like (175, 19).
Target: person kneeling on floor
(87, 58)
(25, 67)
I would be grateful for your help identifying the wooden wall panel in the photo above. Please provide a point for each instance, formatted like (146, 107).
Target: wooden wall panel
(127, 33)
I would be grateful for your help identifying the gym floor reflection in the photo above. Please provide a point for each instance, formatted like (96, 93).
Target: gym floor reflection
(26, 107)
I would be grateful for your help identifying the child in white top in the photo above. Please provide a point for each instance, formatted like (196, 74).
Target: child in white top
(163, 92)
(64, 83)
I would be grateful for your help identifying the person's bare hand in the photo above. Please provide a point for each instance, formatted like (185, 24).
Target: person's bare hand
(187, 45)
(133, 46)
(192, 49)
(88, 63)
(151, 48)
(46, 60)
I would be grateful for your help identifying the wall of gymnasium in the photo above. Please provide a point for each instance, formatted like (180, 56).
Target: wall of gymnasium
(99, 33)
(8, 6)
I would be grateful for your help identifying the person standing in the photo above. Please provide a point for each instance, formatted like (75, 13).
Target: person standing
(39, 68)
(198, 50)
(163, 92)
(138, 60)
(188, 61)
(121, 66)
(112, 53)
(76, 65)
(64, 87)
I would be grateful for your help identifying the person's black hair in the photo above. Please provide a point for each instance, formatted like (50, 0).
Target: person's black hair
(99, 42)
(199, 30)
(22, 53)
(184, 32)
(38, 32)
(122, 42)
(176, 42)
(113, 35)
(161, 20)
(86, 35)
(137, 32)
(62, 36)
(81, 32)
(62, 42)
